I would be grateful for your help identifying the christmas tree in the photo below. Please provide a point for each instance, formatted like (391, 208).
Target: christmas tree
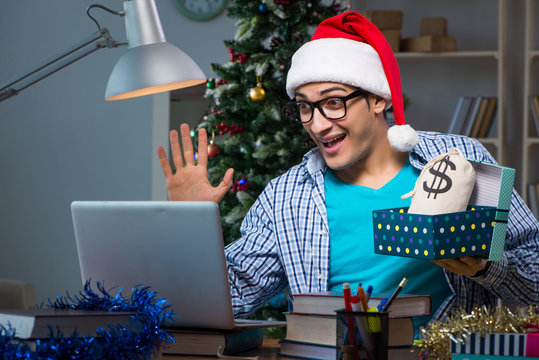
(245, 121)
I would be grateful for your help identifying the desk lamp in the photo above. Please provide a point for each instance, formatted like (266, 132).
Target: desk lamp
(151, 65)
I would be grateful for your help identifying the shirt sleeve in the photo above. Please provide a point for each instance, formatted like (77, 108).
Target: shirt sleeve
(254, 269)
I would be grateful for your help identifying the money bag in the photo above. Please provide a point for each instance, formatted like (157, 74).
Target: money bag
(444, 185)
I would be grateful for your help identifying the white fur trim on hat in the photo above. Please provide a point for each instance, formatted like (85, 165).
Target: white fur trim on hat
(338, 60)
(402, 137)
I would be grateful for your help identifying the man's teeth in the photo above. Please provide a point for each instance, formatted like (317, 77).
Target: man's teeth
(328, 142)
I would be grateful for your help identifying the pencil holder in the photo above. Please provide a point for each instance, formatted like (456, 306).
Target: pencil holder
(362, 335)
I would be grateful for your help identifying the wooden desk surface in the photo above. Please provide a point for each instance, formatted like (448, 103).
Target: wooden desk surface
(269, 351)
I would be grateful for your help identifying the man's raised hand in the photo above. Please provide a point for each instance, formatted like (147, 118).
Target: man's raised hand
(190, 181)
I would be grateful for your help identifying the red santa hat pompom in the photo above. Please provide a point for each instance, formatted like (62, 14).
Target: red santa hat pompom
(349, 49)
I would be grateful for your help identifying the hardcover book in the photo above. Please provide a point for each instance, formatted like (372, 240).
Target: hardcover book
(306, 350)
(325, 303)
(321, 329)
(201, 342)
(37, 323)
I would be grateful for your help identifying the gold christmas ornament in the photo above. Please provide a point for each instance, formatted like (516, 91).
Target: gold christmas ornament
(257, 93)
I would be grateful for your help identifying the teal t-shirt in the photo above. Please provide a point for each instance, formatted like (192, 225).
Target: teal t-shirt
(352, 257)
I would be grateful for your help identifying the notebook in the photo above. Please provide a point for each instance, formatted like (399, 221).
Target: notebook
(175, 248)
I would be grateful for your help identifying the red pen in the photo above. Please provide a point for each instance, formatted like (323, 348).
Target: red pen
(348, 308)
(347, 296)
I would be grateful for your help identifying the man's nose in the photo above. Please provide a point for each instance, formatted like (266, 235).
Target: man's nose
(319, 123)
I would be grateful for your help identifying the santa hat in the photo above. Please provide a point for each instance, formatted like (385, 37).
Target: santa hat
(349, 49)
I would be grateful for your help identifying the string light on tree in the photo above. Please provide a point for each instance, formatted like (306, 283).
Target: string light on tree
(240, 185)
(257, 93)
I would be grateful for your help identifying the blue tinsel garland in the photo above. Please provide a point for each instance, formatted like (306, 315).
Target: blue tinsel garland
(141, 339)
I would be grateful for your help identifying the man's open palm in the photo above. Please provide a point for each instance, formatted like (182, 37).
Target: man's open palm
(190, 181)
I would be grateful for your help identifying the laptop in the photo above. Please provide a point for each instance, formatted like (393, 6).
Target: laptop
(175, 248)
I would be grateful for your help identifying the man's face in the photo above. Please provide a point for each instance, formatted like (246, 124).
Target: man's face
(343, 142)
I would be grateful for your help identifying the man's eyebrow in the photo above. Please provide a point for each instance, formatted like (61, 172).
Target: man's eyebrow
(323, 92)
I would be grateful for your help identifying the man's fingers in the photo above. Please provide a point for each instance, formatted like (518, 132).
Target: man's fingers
(163, 160)
(175, 149)
(465, 265)
(225, 185)
(187, 144)
(227, 179)
(202, 148)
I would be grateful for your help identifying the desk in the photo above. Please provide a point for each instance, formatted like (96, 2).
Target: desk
(268, 351)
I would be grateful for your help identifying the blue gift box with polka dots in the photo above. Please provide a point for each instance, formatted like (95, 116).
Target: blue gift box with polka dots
(433, 236)
(480, 230)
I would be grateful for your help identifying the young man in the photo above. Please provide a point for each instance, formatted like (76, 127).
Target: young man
(311, 228)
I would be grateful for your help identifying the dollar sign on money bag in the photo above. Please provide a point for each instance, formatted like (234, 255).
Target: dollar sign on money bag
(452, 176)
(440, 178)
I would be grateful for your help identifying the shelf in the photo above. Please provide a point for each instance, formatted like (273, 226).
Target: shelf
(487, 54)
(533, 141)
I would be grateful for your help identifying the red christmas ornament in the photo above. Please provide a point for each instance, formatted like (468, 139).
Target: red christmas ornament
(213, 150)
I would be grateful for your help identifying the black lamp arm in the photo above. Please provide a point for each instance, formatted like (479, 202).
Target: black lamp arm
(98, 40)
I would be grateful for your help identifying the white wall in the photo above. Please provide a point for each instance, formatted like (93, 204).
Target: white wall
(60, 141)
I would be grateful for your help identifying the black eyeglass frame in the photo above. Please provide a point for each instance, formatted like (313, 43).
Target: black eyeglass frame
(293, 104)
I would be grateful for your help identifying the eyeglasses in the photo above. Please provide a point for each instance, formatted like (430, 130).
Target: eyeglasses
(332, 108)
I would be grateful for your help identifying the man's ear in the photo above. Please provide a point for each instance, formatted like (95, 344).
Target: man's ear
(379, 104)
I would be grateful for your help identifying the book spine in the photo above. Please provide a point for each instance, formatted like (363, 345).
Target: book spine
(456, 114)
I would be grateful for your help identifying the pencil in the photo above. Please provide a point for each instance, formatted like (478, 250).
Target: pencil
(395, 294)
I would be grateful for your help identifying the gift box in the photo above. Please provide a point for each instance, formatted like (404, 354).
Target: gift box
(489, 357)
(480, 230)
(433, 236)
(498, 344)
(494, 187)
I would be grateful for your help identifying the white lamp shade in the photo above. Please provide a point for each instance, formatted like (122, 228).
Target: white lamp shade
(151, 65)
(151, 69)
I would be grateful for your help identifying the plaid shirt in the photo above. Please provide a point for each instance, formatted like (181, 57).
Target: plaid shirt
(285, 240)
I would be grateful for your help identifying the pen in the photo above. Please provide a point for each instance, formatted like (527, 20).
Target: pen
(347, 294)
(369, 292)
(363, 298)
(395, 294)
(381, 305)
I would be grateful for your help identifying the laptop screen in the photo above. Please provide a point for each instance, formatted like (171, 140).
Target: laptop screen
(175, 248)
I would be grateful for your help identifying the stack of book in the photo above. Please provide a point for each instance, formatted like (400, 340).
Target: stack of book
(473, 116)
(311, 326)
(33, 324)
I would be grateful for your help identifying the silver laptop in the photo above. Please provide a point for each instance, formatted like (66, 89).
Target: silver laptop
(175, 248)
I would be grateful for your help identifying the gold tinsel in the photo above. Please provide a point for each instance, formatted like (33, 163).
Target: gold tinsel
(437, 335)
